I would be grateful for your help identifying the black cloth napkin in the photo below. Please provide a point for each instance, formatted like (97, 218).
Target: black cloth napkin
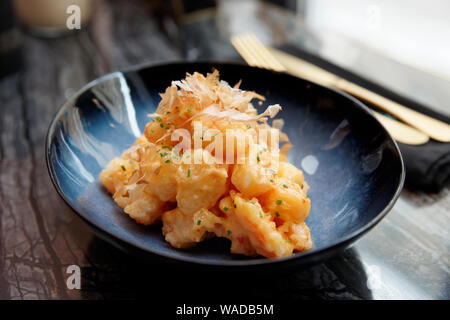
(427, 166)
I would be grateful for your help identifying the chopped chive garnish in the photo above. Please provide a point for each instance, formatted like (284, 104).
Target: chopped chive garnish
(167, 128)
(123, 168)
(163, 154)
(260, 214)
(258, 158)
(271, 180)
(161, 125)
(153, 131)
(234, 203)
(166, 147)
(158, 119)
(167, 161)
(278, 202)
(199, 222)
(277, 214)
(225, 208)
(285, 185)
(229, 232)
(189, 173)
(168, 112)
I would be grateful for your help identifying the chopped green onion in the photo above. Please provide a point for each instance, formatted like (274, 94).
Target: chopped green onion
(225, 208)
(123, 168)
(260, 213)
(277, 214)
(229, 232)
(189, 173)
(285, 185)
(167, 161)
(271, 180)
(158, 119)
(199, 222)
(279, 202)
(161, 125)
(258, 158)
(163, 154)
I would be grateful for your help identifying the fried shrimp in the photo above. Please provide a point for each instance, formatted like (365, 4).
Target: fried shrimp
(199, 186)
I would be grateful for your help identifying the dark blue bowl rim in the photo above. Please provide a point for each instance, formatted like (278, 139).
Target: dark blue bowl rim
(305, 257)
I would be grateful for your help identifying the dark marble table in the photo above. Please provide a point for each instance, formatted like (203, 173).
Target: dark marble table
(405, 257)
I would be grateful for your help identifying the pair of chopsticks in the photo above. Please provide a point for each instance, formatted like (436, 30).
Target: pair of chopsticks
(416, 127)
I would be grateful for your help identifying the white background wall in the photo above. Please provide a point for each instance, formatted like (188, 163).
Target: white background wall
(415, 32)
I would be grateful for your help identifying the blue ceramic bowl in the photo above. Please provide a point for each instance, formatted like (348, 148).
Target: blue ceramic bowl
(353, 166)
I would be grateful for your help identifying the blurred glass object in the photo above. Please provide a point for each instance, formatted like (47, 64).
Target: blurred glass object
(51, 18)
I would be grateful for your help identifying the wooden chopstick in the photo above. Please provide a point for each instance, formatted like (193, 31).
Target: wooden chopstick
(434, 128)
(256, 54)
